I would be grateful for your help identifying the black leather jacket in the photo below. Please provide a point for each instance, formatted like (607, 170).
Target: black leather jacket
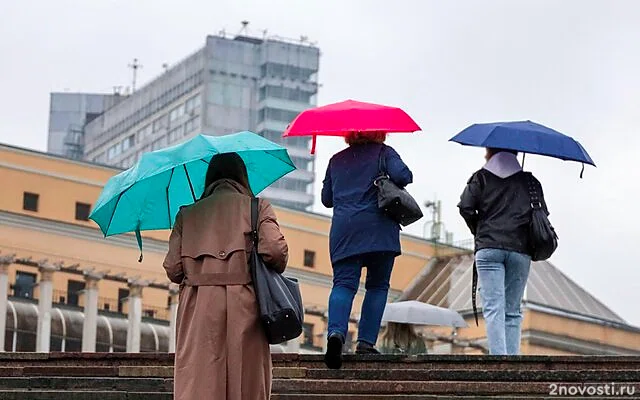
(498, 211)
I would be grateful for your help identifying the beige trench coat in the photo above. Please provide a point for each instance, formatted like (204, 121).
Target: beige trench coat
(221, 351)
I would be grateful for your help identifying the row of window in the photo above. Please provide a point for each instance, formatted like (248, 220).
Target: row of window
(30, 202)
(281, 92)
(293, 141)
(286, 71)
(291, 184)
(276, 114)
(157, 104)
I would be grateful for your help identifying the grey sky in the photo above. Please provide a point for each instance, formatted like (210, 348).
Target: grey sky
(571, 65)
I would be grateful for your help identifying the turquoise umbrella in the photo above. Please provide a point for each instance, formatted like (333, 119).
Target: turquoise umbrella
(148, 195)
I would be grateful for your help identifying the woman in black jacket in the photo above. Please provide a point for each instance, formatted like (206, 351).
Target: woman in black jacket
(496, 206)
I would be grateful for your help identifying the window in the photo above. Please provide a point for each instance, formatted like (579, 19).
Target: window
(24, 284)
(176, 133)
(277, 114)
(158, 124)
(176, 113)
(309, 258)
(73, 291)
(159, 143)
(128, 143)
(82, 211)
(307, 334)
(191, 125)
(192, 104)
(30, 201)
(281, 92)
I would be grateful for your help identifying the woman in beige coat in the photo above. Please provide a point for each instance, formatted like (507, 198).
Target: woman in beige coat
(221, 350)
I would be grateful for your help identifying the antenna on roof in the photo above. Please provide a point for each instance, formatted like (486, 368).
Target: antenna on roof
(244, 28)
(135, 66)
(303, 39)
(264, 33)
(165, 67)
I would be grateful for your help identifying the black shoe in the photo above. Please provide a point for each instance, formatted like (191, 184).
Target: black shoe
(333, 357)
(366, 348)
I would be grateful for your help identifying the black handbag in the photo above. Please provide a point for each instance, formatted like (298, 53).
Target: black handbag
(543, 237)
(397, 203)
(279, 298)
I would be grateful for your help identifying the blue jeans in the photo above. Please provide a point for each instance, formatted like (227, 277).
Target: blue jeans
(502, 276)
(346, 280)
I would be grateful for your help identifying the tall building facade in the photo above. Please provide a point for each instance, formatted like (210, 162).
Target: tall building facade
(68, 114)
(229, 85)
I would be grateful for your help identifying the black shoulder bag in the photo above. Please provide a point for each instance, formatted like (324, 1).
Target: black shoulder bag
(279, 298)
(543, 238)
(395, 202)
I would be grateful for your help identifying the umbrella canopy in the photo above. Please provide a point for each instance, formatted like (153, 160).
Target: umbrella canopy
(526, 137)
(149, 195)
(339, 119)
(419, 313)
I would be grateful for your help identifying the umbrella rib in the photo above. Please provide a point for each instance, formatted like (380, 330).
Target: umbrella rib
(189, 180)
(169, 204)
(114, 211)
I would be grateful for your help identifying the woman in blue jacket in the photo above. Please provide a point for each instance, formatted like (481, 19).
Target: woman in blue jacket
(361, 236)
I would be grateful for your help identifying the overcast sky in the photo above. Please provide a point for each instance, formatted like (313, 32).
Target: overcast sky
(571, 65)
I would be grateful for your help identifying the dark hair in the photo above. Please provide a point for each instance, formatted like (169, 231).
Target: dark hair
(494, 150)
(227, 166)
(354, 138)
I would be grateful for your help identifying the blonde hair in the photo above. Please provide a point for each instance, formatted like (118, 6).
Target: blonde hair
(365, 137)
(401, 336)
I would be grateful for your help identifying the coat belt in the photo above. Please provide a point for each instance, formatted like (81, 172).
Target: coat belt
(218, 279)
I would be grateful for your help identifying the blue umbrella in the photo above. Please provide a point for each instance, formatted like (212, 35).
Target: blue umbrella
(525, 137)
(149, 195)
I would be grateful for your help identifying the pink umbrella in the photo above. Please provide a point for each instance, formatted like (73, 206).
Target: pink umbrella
(339, 119)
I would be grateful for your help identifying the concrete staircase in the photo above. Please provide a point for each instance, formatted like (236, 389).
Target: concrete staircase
(78, 376)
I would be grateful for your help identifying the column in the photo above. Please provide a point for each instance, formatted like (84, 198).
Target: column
(135, 315)
(45, 299)
(90, 325)
(173, 316)
(5, 261)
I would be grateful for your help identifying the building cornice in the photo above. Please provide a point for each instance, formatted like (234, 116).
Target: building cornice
(55, 157)
(573, 345)
(79, 231)
(54, 175)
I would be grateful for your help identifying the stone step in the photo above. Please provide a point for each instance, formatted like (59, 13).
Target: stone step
(578, 363)
(343, 387)
(460, 375)
(422, 397)
(80, 395)
(300, 386)
(507, 375)
(88, 384)
(428, 362)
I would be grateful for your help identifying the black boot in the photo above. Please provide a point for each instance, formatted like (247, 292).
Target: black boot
(366, 348)
(333, 357)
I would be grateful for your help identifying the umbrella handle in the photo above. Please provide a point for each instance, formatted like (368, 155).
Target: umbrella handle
(313, 144)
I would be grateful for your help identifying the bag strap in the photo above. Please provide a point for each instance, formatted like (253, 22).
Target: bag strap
(382, 163)
(534, 196)
(254, 221)
(474, 288)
